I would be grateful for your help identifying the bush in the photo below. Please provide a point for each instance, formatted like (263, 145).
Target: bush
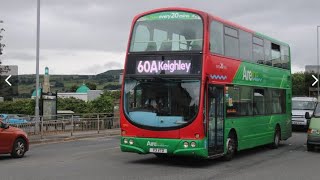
(21, 106)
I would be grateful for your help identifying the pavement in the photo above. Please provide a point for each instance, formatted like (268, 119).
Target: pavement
(66, 136)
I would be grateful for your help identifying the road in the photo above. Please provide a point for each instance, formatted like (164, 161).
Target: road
(100, 158)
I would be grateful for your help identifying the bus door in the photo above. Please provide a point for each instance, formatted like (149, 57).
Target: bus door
(215, 119)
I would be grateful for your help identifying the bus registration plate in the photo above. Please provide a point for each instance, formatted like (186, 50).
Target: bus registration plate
(158, 150)
(298, 123)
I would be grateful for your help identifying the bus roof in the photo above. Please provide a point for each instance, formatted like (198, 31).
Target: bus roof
(204, 14)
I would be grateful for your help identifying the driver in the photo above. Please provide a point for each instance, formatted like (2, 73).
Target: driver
(151, 103)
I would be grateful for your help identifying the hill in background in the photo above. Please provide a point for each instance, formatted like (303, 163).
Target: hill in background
(108, 80)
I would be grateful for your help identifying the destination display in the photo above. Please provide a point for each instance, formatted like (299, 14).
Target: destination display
(170, 15)
(168, 67)
(165, 65)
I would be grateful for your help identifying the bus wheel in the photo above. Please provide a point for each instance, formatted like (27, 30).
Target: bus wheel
(231, 147)
(276, 139)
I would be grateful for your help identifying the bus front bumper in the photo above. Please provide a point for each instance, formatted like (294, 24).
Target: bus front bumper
(171, 147)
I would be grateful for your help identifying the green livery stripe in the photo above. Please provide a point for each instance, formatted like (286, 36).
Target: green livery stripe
(262, 75)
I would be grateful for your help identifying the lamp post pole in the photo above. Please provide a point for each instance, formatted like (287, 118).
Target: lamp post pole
(37, 61)
(0, 40)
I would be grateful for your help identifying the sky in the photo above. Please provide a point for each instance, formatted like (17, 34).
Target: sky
(91, 36)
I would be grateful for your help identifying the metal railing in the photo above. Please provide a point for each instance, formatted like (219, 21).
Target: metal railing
(68, 123)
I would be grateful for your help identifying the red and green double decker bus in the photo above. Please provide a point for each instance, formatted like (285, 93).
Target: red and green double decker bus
(197, 85)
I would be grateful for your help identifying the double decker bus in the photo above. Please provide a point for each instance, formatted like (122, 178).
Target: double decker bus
(197, 85)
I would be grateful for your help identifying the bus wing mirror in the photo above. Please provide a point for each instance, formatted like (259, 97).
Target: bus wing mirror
(307, 115)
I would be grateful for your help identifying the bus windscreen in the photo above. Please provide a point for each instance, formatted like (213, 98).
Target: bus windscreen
(168, 31)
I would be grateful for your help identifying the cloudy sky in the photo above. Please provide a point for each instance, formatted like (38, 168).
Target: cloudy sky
(90, 36)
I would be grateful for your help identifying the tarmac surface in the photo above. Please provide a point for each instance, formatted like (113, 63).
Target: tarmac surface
(60, 137)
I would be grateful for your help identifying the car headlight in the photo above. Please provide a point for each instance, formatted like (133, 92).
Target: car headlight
(125, 141)
(312, 131)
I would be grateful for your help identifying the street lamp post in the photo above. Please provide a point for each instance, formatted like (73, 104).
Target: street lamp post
(37, 61)
(0, 40)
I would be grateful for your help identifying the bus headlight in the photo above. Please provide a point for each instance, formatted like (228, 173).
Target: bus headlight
(193, 144)
(311, 131)
(125, 141)
(185, 144)
(131, 141)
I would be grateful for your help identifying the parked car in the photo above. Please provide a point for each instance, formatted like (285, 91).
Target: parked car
(13, 141)
(12, 119)
(313, 138)
(301, 105)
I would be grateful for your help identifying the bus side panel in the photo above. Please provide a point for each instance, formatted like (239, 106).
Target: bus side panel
(256, 130)
(286, 132)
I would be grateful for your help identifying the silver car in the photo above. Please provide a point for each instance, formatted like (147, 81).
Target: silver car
(301, 105)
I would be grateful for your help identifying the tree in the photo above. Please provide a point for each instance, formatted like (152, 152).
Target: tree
(298, 84)
(73, 104)
(105, 103)
(91, 85)
(21, 106)
(58, 84)
(301, 82)
(73, 88)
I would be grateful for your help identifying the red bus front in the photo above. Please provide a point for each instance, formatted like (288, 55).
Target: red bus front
(161, 103)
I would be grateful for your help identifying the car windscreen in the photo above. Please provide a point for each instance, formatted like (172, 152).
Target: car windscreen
(303, 105)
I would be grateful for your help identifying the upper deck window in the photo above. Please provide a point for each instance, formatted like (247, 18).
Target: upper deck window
(216, 37)
(168, 31)
(231, 41)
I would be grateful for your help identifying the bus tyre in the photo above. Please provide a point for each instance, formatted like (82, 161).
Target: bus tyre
(310, 147)
(231, 147)
(19, 148)
(276, 138)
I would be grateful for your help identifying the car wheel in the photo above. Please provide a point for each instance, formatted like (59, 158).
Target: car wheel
(231, 147)
(276, 138)
(19, 148)
(310, 147)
